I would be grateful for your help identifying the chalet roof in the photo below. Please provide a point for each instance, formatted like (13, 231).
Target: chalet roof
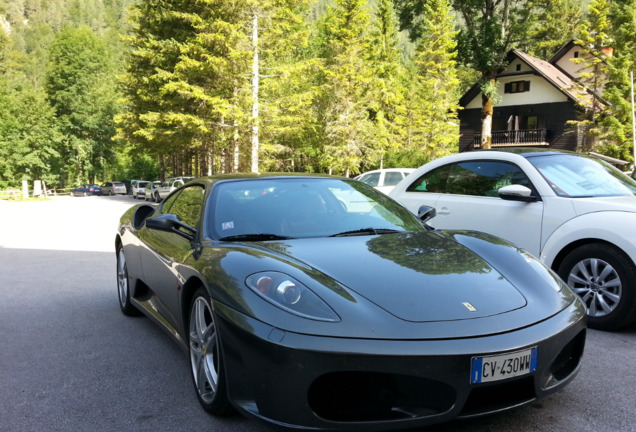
(553, 75)
(562, 51)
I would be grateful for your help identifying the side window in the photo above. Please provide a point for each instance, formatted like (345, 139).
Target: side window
(433, 181)
(186, 205)
(392, 178)
(371, 179)
(484, 178)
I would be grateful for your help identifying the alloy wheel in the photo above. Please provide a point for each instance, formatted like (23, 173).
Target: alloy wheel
(122, 278)
(204, 355)
(598, 284)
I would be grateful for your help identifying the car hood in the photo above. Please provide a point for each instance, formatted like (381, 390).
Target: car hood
(596, 204)
(433, 277)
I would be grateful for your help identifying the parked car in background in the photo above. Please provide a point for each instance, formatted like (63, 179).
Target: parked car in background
(128, 184)
(385, 179)
(138, 188)
(150, 188)
(300, 307)
(168, 186)
(575, 212)
(86, 189)
(114, 188)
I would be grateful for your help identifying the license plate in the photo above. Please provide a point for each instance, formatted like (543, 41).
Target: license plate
(502, 366)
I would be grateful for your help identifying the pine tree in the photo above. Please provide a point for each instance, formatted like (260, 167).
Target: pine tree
(185, 87)
(346, 86)
(387, 105)
(278, 33)
(433, 129)
(288, 88)
(617, 90)
(593, 72)
(554, 23)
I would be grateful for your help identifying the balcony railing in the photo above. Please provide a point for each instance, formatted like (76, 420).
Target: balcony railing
(514, 138)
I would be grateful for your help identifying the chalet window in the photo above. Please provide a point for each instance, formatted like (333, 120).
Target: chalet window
(576, 54)
(517, 87)
(533, 122)
(518, 67)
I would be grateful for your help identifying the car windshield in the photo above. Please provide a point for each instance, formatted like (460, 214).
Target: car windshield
(578, 176)
(284, 207)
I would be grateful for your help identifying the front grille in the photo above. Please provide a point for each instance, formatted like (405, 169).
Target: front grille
(494, 397)
(369, 396)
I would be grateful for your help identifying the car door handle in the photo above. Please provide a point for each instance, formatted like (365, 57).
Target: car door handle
(443, 211)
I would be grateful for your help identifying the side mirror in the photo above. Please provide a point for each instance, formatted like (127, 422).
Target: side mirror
(142, 213)
(516, 192)
(426, 213)
(171, 223)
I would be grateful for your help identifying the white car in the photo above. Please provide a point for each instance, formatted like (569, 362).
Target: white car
(384, 179)
(149, 190)
(138, 188)
(168, 186)
(576, 213)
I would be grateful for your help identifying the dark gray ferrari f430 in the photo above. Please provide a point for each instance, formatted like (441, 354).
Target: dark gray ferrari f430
(317, 302)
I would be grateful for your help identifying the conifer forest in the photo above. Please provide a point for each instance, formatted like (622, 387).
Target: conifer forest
(99, 90)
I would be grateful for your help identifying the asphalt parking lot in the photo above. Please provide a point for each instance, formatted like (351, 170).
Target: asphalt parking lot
(70, 361)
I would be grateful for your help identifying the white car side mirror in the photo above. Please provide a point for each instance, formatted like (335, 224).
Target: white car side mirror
(517, 192)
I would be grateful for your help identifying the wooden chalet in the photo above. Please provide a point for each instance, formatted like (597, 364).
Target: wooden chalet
(537, 99)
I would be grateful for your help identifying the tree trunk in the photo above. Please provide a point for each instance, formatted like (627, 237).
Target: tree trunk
(486, 122)
(255, 83)
(235, 149)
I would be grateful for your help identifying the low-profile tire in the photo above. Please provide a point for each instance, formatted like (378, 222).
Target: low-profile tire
(206, 358)
(123, 285)
(605, 279)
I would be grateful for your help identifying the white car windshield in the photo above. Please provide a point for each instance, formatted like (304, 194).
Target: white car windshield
(577, 176)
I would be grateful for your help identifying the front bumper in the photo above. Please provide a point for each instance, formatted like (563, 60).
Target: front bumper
(311, 382)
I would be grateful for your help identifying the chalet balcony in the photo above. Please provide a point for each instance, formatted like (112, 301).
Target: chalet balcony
(515, 138)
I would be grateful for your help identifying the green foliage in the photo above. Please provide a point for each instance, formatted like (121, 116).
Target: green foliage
(185, 82)
(555, 22)
(80, 88)
(488, 31)
(346, 83)
(388, 94)
(288, 90)
(28, 135)
(339, 88)
(434, 87)
(619, 138)
(593, 41)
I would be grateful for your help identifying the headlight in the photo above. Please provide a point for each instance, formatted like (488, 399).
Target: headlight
(290, 295)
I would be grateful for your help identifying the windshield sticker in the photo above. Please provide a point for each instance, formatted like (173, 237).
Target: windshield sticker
(227, 225)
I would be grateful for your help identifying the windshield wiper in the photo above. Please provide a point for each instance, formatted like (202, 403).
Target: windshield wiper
(365, 231)
(255, 237)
